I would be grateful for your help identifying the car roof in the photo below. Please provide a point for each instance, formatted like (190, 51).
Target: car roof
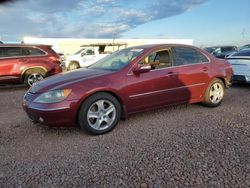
(146, 46)
(221, 46)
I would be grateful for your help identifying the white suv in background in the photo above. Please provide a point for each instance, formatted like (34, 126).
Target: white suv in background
(83, 58)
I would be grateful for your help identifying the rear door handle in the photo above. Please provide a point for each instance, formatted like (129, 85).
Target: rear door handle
(171, 73)
(205, 69)
(22, 60)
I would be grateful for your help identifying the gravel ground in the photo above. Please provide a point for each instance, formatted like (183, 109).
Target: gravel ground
(178, 146)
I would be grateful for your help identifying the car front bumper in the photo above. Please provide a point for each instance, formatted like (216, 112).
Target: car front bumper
(56, 115)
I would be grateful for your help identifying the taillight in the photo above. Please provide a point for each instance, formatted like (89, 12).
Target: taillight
(55, 59)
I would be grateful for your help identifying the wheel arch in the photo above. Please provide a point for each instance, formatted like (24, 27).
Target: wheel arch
(33, 68)
(222, 79)
(114, 94)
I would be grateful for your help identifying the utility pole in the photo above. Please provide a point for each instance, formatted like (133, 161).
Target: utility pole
(243, 34)
(113, 41)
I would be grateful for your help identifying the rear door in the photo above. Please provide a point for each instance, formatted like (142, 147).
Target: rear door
(193, 69)
(10, 57)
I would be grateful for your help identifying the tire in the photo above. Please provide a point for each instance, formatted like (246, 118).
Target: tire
(32, 76)
(215, 93)
(99, 113)
(73, 65)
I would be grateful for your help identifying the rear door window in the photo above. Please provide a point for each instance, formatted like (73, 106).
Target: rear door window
(32, 52)
(187, 56)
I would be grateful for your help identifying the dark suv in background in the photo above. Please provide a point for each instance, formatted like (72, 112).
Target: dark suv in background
(21, 63)
(221, 51)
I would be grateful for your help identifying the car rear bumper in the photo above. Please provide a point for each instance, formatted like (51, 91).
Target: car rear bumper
(241, 78)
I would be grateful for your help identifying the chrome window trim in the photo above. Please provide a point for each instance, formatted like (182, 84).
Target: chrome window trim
(131, 72)
(13, 57)
(164, 90)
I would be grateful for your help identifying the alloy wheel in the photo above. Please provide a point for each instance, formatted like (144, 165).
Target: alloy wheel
(101, 114)
(35, 77)
(216, 93)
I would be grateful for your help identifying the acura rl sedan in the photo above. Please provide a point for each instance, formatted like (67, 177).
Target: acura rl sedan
(132, 80)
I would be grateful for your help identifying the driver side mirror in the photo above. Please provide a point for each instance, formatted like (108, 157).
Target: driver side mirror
(142, 69)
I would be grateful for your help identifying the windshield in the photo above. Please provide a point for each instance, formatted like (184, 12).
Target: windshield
(79, 51)
(209, 50)
(242, 53)
(117, 60)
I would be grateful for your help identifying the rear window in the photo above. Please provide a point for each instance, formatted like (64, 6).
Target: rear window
(226, 49)
(20, 51)
(185, 56)
(242, 53)
(32, 52)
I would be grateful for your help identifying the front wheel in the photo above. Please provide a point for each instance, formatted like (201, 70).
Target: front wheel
(214, 93)
(73, 65)
(99, 113)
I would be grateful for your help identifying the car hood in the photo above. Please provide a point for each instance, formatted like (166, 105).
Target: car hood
(65, 79)
(70, 57)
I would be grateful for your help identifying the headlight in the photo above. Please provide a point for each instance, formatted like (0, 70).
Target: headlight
(53, 96)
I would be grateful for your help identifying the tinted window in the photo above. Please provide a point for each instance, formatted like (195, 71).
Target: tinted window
(242, 53)
(32, 52)
(10, 51)
(185, 56)
(226, 49)
(209, 50)
(89, 52)
(158, 60)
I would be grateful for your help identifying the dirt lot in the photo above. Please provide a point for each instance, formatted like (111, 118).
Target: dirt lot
(179, 146)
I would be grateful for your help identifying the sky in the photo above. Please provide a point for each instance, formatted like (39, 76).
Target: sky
(207, 22)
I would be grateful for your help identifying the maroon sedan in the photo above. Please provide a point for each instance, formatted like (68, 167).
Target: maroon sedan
(129, 81)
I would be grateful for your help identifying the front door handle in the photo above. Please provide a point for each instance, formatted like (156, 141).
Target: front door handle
(171, 73)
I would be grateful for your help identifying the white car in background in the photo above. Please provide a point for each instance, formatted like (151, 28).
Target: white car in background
(90, 54)
(83, 58)
(241, 65)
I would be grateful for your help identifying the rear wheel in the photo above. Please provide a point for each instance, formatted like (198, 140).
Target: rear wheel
(99, 113)
(33, 76)
(214, 93)
(73, 65)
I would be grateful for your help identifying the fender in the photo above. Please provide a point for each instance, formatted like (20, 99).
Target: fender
(33, 67)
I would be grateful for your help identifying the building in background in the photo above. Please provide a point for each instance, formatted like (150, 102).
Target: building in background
(71, 45)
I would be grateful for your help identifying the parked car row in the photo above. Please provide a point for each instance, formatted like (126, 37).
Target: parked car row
(241, 65)
(125, 82)
(225, 51)
(221, 51)
(238, 57)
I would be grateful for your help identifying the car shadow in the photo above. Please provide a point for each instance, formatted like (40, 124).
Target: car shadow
(241, 85)
(12, 86)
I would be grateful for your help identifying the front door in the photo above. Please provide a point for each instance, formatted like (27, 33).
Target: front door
(158, 87)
